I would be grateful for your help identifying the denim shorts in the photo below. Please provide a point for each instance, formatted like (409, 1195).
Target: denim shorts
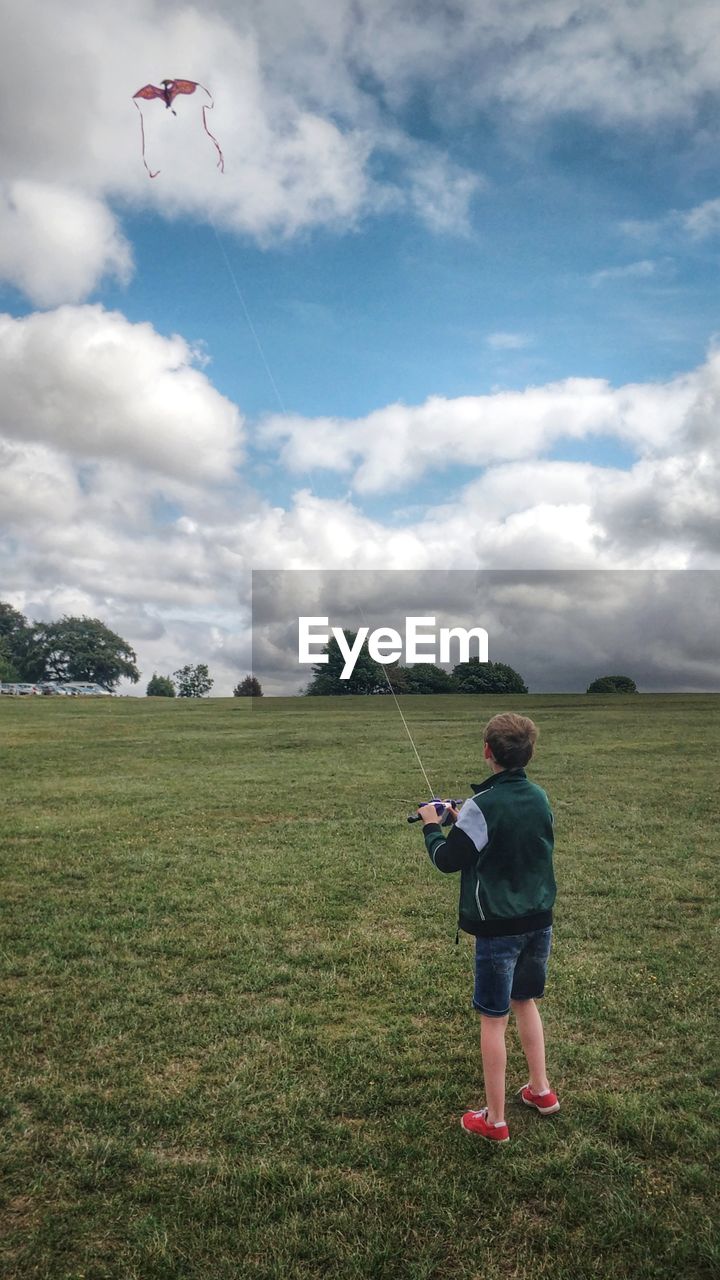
(510, 968)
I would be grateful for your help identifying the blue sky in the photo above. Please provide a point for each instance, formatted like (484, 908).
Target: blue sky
(353, 318)
(478, 246)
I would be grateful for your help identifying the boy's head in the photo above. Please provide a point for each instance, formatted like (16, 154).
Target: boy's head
(510, 740)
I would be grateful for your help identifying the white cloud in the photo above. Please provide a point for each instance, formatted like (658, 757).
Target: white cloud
(298, 150)
(120, 497)
(56, 244)
(167, 561)
(641, 270)
(93, 385)
(703, 221)
(672, 501)
(508, 341)
(38, 487)
(441, 192)
(642, 62)
(311, 107)
(392, 447)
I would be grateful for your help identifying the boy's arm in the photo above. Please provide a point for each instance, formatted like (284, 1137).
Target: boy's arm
(458, 850)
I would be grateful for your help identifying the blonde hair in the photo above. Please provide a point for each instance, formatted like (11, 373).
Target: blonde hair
(511, 738)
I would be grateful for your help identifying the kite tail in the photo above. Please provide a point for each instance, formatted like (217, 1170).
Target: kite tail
(221, 158)
(209, 107)
(142, 134)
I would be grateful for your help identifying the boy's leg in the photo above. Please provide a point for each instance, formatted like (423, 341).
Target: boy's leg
(532, 1039)
(494, 1058)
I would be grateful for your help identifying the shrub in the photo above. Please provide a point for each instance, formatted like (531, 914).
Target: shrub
(612, 684)
(487, 677)
(160, 687)
(250, 687)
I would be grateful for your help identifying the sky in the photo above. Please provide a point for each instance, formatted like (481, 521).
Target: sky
(452, 304)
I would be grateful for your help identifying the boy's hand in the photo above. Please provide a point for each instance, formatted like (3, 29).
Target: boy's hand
(428, 813)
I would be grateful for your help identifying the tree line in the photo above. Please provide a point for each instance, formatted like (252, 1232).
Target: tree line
(85, 650)
(371, 677)
(473, 676)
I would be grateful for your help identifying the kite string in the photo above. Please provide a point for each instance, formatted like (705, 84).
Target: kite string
(431, 792)
(284, 411)
(248, 317)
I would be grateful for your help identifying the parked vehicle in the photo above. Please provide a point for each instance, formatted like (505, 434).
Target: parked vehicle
(80, 689)
(69, 689)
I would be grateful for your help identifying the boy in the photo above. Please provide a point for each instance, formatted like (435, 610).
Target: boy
(501, 842)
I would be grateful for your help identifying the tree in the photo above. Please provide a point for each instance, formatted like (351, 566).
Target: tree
(8, 670)
(12, 622)
(367, 676)
(475, 676)
(397, 679)
(160, 687)
(15, 644)
(612, 684)
(80, 649)
(193, 682)
(425, 677)
(250, 687)
(71, 649)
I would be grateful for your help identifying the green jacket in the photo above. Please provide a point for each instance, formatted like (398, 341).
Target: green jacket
(502, 845)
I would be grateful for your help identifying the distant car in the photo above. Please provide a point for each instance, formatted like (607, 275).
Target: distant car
(7, 688)
(81, 689)
(25, 689)
(50, 687)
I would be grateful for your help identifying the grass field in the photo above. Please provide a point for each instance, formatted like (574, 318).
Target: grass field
(237, 1033)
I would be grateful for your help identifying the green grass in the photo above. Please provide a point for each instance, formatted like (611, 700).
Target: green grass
(237, 1034)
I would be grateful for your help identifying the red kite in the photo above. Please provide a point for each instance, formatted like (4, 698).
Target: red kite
(169, 91)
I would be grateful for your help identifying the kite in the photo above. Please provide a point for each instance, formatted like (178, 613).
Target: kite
(168, 92)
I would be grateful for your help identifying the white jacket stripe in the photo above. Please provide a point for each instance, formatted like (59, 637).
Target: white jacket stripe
(472, 822)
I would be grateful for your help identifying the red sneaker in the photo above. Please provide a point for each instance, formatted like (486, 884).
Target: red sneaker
(546, 1103)
(477, 1122)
